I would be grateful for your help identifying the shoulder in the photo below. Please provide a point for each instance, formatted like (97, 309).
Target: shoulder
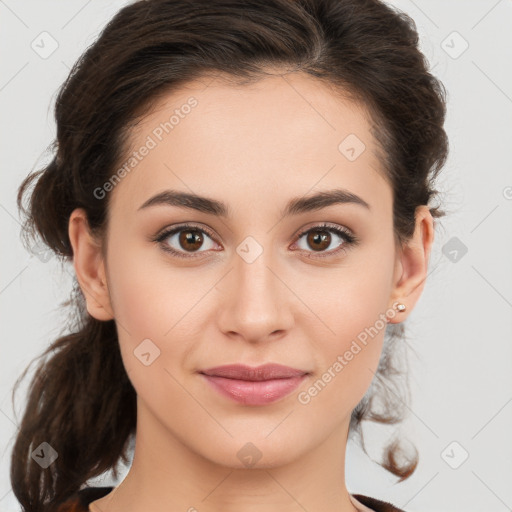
(376, 505)
(79, 502)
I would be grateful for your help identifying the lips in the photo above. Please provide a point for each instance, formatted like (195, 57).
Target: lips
(258, 373)
(254, 385)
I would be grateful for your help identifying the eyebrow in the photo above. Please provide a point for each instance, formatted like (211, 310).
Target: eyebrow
(293, 207)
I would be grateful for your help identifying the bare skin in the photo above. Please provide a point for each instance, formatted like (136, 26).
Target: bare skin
(253, 148)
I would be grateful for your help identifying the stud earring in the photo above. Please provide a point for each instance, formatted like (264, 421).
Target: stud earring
(400, 308)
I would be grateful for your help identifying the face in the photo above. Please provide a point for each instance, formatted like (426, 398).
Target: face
(306, 288)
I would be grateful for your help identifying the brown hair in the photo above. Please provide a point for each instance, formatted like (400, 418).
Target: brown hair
(81, 401)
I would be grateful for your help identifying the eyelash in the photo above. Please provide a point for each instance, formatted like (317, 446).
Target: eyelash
(349, 239)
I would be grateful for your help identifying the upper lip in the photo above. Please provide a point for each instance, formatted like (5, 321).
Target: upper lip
(254, 373)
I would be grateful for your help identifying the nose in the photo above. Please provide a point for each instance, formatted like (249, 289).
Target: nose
(256, 303)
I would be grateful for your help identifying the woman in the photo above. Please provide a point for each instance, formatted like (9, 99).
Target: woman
(244, 191)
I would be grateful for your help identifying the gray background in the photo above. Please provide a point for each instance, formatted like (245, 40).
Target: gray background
(461, 329)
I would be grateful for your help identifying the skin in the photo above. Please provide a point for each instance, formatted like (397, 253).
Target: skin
(254, 148)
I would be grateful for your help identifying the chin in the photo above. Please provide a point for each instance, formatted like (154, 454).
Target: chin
(255, 452)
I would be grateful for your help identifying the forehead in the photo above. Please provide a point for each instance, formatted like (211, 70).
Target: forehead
(282, 135)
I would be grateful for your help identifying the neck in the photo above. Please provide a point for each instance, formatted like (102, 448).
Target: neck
(168, 475)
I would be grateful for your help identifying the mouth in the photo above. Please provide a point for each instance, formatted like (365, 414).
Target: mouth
(254, 385)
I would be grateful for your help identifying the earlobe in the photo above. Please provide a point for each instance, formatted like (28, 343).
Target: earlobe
(89, 266)
(414, 257)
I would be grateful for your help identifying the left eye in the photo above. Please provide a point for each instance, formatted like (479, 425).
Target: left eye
(320, 238)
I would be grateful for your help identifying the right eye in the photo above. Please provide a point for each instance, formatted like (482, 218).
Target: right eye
(185, 236)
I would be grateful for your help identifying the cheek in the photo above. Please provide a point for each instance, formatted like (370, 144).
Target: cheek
(349, 359)
(153, 301)
(353, 306)
(148, 296)
(134, 295)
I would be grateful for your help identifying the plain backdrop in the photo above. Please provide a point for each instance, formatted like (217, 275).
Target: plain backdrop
(460, 414)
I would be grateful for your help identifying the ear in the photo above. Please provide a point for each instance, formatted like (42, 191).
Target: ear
(412, 264)
(89, 266)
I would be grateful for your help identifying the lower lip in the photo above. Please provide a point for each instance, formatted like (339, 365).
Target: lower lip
(254, 392)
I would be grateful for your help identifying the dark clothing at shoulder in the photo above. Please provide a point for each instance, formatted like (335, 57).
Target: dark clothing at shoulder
(377, 505)
(80, 501)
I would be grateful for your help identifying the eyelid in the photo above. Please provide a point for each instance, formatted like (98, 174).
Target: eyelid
(326, 225)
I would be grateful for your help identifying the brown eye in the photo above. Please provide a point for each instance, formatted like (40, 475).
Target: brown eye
(318, 240)
(190, 239)
(184, 241)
